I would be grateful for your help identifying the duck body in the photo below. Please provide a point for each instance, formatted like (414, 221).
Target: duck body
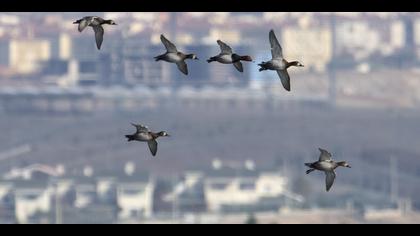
(141, 137)
(323, 165)
(226, 56)
(278, 63)
(96, 23)
(223, 58)
(172, 55)
(143, 134)
(274, 64)
(328, 166)
(92, 21)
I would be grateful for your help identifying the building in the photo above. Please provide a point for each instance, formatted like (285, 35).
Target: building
(37, 194)
(188, 194)
(25, 55)
(32, 198)
(357, 37)
(229, 188)
(7, 203)
(134, 198)
(243, 192)
(140, 67)
(316, 51)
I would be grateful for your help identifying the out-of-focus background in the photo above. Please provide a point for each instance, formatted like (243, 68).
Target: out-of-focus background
(239, 140)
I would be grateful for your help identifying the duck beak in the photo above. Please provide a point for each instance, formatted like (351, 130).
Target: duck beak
(348, 166)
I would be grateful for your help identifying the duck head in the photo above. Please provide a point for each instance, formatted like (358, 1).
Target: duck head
(296, 63)
(110, 22)
(343, 164)
(163, 134)
(192, 56)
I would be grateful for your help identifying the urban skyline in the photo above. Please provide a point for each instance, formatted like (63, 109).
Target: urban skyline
(68, 162)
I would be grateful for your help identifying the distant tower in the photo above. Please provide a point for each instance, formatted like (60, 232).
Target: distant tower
(173, 25)
(332, 69)
(409, 32)
(393, 169)
(410, 44)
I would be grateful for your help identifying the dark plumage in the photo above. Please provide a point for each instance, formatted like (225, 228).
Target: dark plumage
(226, 56)
(96, 23)
(143, 134)
(278, 63)
(172, 55)
(327, 165)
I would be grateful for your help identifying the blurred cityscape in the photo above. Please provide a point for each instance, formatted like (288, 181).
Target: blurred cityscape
(239, 140)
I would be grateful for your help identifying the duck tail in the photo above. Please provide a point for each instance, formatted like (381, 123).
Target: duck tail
(129, 138)
(211, 59)
(262, 66)
(77, 22)
(308, 164)
(262, 69)
(309, 171)
(245, 58)
(158, 58)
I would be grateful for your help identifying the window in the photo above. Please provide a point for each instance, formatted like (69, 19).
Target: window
(218, 186)
(247, 186)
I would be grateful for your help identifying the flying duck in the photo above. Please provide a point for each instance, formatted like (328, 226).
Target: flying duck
(143, 134)
(227, 56)
(96, 23)
(278, 63)
(172, 55)
(328, 165)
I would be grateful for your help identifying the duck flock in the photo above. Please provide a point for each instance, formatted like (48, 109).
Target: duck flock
(325, 162)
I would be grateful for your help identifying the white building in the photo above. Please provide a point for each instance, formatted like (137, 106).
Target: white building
(85, 195)
(30, 201)
(242, 190)
(357, 37)
(6, 193)
(135, 199)
(310, 45)
(26, 55)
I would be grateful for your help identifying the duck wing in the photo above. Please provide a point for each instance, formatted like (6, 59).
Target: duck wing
(182, 66)
(153, 146)
(325, 155)
(224, 47)
(285, 79)
(329, 179)
(83, 23)
(170, 47)
(276, 50)
(99, 35)
(141, 128)
(238, 66)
